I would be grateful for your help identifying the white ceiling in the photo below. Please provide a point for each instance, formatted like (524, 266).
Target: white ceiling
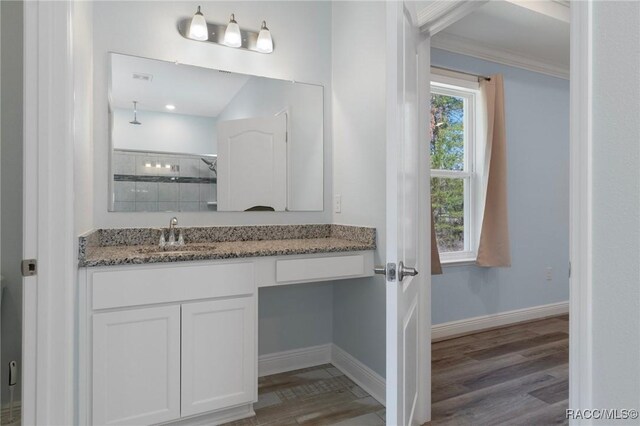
(528, 31)
(193, 90)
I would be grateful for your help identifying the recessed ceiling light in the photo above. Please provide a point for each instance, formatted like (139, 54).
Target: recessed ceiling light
(170, 107)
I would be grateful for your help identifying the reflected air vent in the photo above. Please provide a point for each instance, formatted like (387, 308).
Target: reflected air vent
(142, 77)
(226, 72)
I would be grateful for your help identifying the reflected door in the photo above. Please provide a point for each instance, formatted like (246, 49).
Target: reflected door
(252, 164)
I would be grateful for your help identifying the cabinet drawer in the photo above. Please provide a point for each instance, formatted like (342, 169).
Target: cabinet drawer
(161, 284)
(319, 268)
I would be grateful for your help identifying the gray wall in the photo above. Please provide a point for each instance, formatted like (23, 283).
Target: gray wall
(537, 114)
(295, 316)
(615, 263)
(359, 117)
(11, 188)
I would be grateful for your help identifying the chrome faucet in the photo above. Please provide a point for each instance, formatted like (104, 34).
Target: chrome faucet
(173, 223)
(172, 235)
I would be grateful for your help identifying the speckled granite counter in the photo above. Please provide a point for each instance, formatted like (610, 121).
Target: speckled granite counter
(105, 247)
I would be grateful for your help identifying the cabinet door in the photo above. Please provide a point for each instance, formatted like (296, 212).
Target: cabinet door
(136, 366)
(218, 354)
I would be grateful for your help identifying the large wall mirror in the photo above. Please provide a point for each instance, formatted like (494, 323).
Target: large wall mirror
(186, 138)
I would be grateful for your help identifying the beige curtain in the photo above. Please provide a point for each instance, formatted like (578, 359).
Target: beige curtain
(494, 249)
(436, 266)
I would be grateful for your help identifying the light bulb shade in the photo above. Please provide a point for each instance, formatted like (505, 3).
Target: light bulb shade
(198, 28)
(264, 43)
(232, 36)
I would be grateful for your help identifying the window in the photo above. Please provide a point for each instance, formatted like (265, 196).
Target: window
(453, 178)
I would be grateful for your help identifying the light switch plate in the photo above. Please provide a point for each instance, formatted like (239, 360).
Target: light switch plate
(337, 204)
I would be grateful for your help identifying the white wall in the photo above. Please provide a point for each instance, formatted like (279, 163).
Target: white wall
(359, 134)
(303, 53)
(304, 103)
(616, 205)
(537, 126)
(164, 132)
(11, 188)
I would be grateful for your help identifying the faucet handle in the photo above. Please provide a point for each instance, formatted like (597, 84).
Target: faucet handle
(163, 242)
(181, 239)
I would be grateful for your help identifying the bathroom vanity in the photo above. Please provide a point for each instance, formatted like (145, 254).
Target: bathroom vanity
(170, 335)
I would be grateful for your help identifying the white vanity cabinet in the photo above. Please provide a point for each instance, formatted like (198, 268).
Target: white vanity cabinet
(218, 355)
(165, 342)
(136, 366)
(177, 342)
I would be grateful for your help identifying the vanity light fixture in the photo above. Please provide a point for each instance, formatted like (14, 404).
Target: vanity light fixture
(264, 43)
(232, 36)
(198, 27)
(170, 107)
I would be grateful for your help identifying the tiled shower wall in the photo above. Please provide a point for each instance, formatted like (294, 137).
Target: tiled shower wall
(149, 182)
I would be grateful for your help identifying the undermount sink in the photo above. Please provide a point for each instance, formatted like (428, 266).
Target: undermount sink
(187, 248)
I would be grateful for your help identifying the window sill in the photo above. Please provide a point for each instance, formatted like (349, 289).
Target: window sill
(458, 262)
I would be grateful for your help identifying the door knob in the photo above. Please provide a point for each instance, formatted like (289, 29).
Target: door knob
(404, 271)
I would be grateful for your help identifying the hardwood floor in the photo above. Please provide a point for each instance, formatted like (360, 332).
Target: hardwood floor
(516, 375)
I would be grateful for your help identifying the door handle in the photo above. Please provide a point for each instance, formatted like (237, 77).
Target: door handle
(404, 271)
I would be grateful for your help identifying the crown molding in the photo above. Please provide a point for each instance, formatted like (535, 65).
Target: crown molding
(465, 46)
(439, 14)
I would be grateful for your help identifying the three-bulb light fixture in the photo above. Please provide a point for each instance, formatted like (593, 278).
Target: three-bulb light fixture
(198, 30)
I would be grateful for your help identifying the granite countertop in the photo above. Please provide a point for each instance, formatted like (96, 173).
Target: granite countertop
(105, 247)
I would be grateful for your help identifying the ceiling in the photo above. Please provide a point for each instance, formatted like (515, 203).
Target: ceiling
(533, 33)
(193, 90)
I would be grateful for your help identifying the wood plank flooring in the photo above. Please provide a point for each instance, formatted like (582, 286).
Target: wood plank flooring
(320, 395)
(516, 375)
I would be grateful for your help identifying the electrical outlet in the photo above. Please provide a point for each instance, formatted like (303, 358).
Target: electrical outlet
(337, 204)
(548, 273)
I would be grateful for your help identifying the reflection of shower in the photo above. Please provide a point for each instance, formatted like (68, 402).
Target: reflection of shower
(135, 114)
(213, 165)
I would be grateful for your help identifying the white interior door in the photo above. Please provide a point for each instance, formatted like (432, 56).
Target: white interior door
(252, 163)
(408, 312)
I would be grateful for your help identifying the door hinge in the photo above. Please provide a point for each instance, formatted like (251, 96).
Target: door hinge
(569, 269)
(29, 267)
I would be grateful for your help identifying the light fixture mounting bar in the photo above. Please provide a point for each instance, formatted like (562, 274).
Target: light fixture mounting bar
(216, 35)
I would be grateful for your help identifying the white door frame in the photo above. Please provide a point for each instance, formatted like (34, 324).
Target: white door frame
(444, 13)
(48, 298)
(581, 241)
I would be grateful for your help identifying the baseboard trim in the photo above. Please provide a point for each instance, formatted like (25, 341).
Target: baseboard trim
(470, 325)
(373, 383)
(280, 362)
(216, 418)
(295, 359)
